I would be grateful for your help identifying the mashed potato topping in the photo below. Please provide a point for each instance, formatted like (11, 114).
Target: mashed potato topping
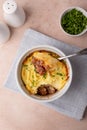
(43, 68)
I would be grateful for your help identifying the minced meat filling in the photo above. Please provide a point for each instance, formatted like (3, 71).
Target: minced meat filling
(45, 90)
(39, 65)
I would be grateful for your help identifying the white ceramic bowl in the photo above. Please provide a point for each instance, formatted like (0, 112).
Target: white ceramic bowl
(43, 98)
(67, 10)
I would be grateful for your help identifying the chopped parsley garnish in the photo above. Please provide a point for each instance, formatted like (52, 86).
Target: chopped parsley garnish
(35, 69)
(74, 22)
(26, 67)
(60, 74)
(53, 75)
(33, 83)
(32, 76)
(30, 63)
(44, 76)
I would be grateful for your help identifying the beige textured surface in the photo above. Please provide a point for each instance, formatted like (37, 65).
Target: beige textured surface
(16, 111)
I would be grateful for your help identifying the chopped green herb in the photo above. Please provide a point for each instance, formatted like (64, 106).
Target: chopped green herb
(62, 78)
(30, 63)
(33, 83)
(32, 76)
(44, 76)
(31, 86)
(60, 74)
(74, 22)
(26, 67)
(53, 75)
(35, 70)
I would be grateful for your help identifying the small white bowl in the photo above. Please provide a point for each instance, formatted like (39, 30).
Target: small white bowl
(39, 98)
(67, 10)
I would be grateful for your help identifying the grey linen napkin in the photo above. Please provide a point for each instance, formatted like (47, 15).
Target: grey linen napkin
(74, 102)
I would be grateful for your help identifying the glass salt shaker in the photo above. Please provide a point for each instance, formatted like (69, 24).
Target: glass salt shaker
(14, 15)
